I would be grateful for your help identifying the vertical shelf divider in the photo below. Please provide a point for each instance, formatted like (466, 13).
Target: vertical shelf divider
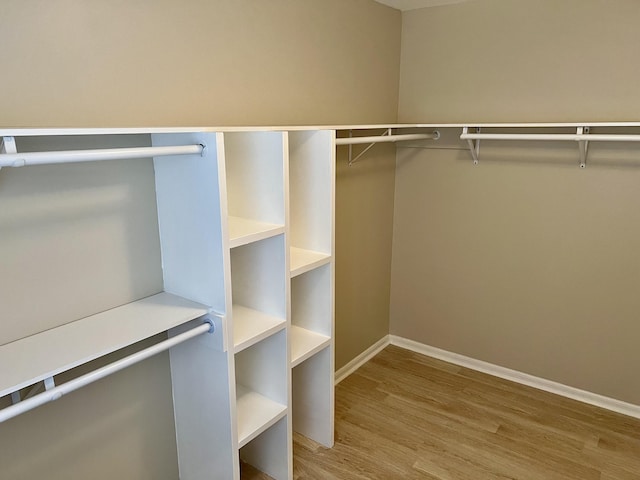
(257, 286)
(311, 203)
(192, 224)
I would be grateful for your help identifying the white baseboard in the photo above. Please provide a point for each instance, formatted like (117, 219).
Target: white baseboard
(519, 377)
(361, 359)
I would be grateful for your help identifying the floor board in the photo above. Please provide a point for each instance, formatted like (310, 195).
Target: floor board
(403, 415)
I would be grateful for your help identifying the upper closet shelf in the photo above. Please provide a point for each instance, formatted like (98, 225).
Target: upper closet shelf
(41, 356)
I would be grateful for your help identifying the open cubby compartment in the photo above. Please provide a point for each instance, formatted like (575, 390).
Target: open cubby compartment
(311, 313)
(311, 198)
(255, 185)
(263, 396)
(313, 397)
(259, 289)
(188, 193)
(268, 452)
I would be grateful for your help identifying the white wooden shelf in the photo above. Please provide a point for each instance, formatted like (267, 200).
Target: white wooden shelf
(34, 358)
(244, 230)
(305, 344)
(250, 326)
(256, 413)
(302, 261)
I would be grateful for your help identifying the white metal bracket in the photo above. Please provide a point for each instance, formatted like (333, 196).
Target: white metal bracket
(49, 383)
(474, 147)
(8, 145)
(354, 160)
(583, 145)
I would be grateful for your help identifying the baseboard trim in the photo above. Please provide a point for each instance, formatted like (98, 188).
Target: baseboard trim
(361, 359)
(519, 377)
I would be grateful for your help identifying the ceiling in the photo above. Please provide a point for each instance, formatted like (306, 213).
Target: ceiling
(413, 4)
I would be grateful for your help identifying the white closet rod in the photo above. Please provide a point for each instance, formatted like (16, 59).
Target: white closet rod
(388, 138)
(551, 137)
(57, 392)
(73, 156)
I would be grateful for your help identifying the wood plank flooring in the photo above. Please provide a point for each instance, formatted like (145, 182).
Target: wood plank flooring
(406, 416)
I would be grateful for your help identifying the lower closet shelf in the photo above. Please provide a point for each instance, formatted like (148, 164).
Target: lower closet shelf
(251, 326)
(43, 355)
(245, 230)
(304, 260)
(256, 414)
(305, 343)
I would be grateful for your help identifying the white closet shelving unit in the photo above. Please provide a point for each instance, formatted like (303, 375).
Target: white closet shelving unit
(246, 229)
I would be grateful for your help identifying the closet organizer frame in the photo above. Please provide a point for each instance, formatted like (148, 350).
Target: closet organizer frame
(192, 183)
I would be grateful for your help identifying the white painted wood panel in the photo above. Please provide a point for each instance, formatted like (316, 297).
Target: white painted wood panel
(258, 276)
(250, 326)
(255, 175)
(311, 301)
(264, 367)
(190, 221)
(203, 386)
(244, 230)
(193, 236)
(305, 343)
(256, 413)
(313, 397)
(270, 451)
(310, 189)
(305, 260)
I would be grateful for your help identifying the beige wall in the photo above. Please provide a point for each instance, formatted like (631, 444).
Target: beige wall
(76, 239)
(521, 60)
(524, 261)
(198, 62)
(364, 219)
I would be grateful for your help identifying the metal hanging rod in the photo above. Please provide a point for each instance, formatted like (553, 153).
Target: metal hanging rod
(388, 138)
(14, 159)
(55, 392)
(551, 137)
(582, 137)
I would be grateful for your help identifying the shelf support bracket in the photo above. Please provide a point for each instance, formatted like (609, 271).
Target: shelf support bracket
(474, 147)
(49, 383)
(583, 145)
(15, 397)
(354, 160)
(8, 145)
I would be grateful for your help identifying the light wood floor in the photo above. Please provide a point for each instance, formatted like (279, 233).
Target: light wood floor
(407, 416)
